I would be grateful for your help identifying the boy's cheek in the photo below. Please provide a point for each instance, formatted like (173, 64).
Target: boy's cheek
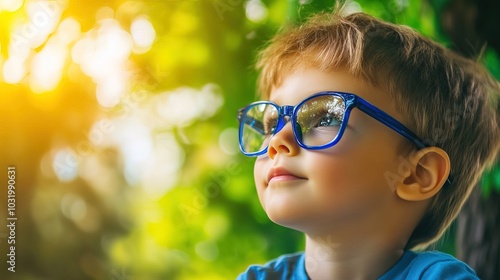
(355, 165)
(260, 172)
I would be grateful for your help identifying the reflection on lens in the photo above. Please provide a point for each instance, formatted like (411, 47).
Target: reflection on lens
(319, 119)
(258, 124)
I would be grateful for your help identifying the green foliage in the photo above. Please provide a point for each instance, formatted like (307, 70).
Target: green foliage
(491, 181)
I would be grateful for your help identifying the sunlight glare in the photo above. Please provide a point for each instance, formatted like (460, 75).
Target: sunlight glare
(81, 48)
(47, 68)
(114, 43)
(68, 31)
(10, 5)
(185, 105)
(143, 34)
(161, 171)
(178, 107)
(149, 161)
(14, 70)
(255, 10)
(101, 56)
(43, 17)
(352, 7)
(134, 139)
(110, 91)
(65, 165)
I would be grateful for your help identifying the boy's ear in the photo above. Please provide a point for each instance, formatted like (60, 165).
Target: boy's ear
(430, 168)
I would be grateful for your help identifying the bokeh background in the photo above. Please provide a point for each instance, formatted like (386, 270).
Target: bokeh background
(120, 119)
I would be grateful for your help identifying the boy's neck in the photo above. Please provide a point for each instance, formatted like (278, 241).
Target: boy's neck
(362, 247)
(327, 258)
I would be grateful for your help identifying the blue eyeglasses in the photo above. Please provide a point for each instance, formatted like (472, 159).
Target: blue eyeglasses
(318, 122)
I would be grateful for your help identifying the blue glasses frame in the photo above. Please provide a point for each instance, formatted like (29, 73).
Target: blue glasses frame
(351, 101)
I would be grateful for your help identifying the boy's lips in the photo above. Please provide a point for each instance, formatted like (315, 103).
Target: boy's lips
(282, 174)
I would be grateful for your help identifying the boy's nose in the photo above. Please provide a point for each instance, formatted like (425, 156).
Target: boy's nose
(283, 142)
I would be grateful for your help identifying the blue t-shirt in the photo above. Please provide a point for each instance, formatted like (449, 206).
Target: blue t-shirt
(411, 266)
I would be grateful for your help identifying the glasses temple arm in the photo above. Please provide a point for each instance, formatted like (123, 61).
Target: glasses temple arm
(389, 121)
(392, 123)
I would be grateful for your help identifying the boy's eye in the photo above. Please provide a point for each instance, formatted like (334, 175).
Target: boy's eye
(270, 121)
(320, 118)
(270, 125)
(328, 120)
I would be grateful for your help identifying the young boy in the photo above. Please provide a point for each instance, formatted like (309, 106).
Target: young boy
(369, 141)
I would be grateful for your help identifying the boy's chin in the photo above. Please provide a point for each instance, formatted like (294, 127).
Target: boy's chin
(310, 222)
(291, 221)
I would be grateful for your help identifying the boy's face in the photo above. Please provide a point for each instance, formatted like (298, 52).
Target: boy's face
(319, 191)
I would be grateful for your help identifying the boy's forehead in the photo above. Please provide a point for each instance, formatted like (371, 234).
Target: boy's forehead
(301, 82)
(306, 81)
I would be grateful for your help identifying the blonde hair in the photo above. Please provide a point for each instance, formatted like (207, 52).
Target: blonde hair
(448, 100)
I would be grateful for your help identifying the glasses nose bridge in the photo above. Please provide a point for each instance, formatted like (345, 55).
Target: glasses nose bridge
(284, 111)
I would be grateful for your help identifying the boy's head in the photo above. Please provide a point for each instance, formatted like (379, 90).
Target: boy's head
(448, 101)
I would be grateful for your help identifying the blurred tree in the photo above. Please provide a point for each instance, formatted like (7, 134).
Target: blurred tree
(472, 27)
(49, 243)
